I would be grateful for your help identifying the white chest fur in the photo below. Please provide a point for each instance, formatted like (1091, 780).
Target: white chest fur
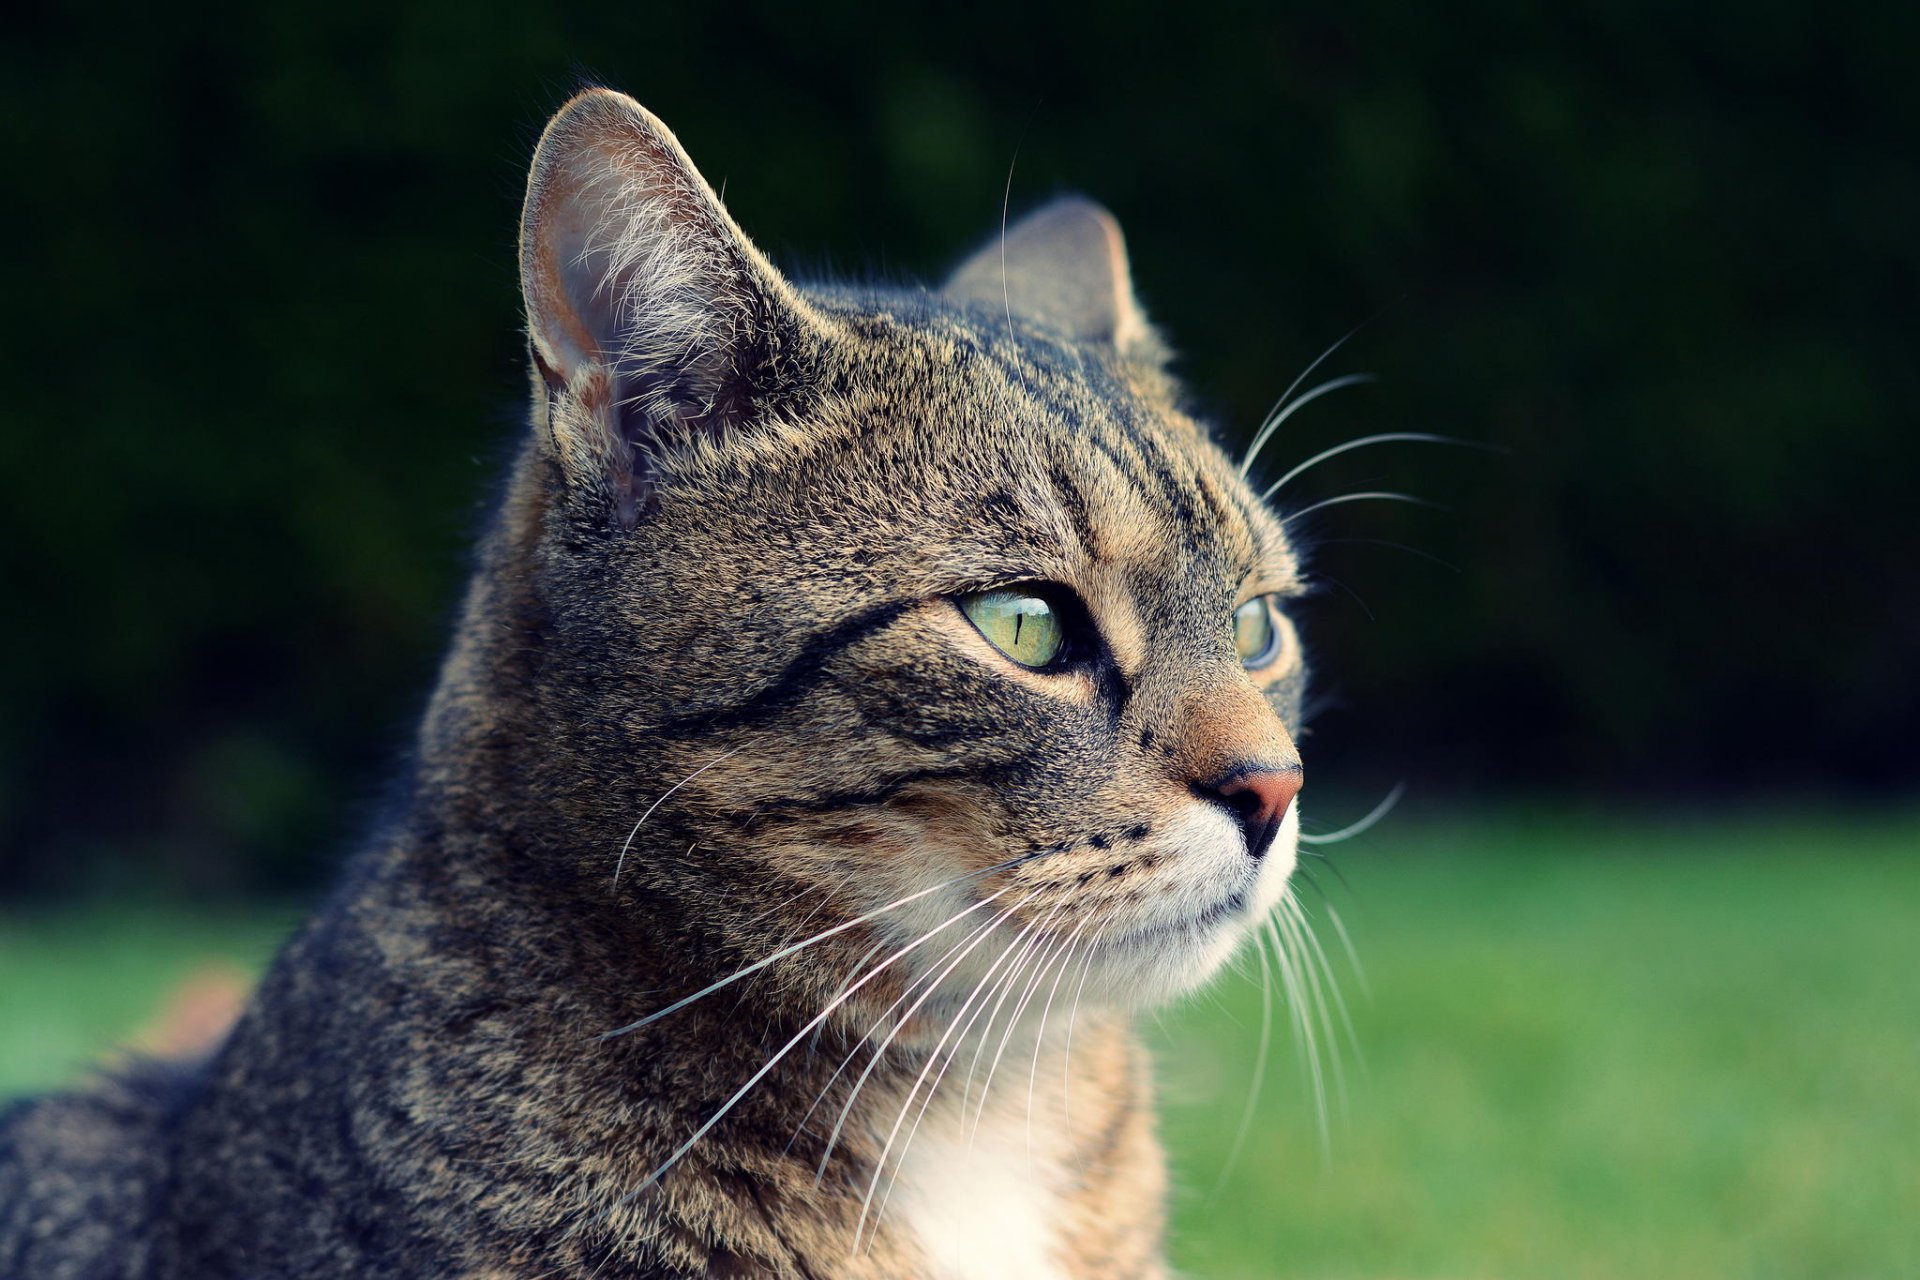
(982, 1203)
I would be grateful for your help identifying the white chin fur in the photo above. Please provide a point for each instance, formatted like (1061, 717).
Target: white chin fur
(1185, 933)
(1205, 896)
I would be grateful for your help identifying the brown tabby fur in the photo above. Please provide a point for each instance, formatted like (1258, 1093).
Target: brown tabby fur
(719, 593)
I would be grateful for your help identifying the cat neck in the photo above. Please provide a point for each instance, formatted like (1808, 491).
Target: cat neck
(474, 1021)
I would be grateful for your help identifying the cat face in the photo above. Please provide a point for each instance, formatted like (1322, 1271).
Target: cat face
(929, 614)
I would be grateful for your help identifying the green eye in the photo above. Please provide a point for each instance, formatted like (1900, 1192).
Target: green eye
(1017, 623)
(1254, 634)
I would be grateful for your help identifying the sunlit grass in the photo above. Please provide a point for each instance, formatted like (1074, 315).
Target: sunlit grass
(1675, 1050)
(1682, 1050)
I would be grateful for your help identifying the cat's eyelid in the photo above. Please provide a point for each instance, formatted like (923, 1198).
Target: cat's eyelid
(1256, 583)
(1033, 581)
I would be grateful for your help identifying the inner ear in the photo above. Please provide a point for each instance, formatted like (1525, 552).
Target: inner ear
(650, 315)
(1065, 265)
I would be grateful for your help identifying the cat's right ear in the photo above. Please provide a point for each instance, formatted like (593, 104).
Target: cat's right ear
(1066, 264)
(652, 319)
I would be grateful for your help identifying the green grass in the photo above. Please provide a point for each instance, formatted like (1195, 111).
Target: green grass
(1677, 1050)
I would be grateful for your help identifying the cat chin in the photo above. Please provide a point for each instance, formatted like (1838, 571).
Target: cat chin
(1201, 902)
(1174, 956)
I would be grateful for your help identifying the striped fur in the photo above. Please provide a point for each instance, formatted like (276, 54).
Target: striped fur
(711, 695)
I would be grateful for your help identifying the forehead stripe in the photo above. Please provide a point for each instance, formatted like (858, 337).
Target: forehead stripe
(798, 675)
(1075, 504)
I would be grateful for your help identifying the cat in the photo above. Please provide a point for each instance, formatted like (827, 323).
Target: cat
(866, 700)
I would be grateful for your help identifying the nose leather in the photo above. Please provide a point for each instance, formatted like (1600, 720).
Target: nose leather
(1258, 797)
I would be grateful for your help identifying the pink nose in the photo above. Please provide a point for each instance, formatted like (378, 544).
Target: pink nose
(1259, 798)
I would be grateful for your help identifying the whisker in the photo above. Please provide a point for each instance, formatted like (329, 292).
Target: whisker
(785, 902)
(822, 936)
(845, 882)
(774, 1061)
(1448, 565)
(879, 1168)
(1044, 962)
(1005, 990)
(1365, 824)
(1246, 459)
(929, 979)
(1279, 419)
(1385, 437)
(621, 861)
(1259, 1066)
(1006, 202)
(1306, 1040)
(927, 1101)
(1327, 577)
(1033, 1077)
(1370, 495)
(852, 973)
(932, 987)
(1073, 1017)
(1332, 983)
(1293, 924)
(1353, 956)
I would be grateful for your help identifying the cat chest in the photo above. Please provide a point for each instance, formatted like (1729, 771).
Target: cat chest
(982, 1204)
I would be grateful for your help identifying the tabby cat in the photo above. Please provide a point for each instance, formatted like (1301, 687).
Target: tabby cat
(866, 700)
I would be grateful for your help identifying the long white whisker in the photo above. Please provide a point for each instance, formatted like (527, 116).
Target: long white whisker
(1371, 495)
(1073, 1018)
(621, 861)
(1361, 827)
(1304, 1028)
(1306, 1039)
(900, 1023)
(1033, 1077)
(1293, 924)
(852, 973)
(1312, 939)
(1448, 565)
(1279, 419)
(822, 936)
(1043, 962)
(1259, 1064)
(1387, 437)
(928, 979)
(1246, 459)
(913, 1130)
(1353, 956)
(774, 1061)
(1006, 290)
(927, 1101)
(1005, 990)
(1006, 202)
(825, 898)
(953, 1026)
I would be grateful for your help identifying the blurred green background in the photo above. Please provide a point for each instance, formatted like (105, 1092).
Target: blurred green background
(1580, 1049)
(1640, 940)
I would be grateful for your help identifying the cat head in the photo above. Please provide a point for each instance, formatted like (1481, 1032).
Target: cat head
(929, 610)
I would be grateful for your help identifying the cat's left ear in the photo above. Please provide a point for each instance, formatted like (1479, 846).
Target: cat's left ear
(652, 319)
(1066, 265)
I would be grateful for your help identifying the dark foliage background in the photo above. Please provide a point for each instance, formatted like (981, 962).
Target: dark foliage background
(260, 360)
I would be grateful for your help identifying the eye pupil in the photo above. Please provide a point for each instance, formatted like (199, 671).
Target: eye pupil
(1020, 624)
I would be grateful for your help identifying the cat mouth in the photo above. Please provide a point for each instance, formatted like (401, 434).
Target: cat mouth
(1189, 929)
